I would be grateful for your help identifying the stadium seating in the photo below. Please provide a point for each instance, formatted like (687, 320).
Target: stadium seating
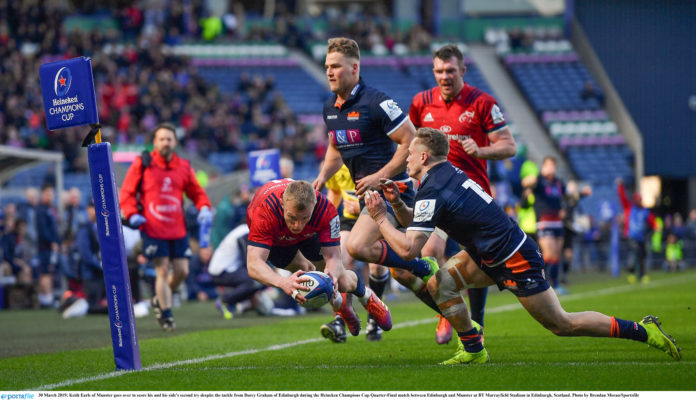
(302, 93)
(597, 152)
(225, 161)
(551, 82)
(403, 77)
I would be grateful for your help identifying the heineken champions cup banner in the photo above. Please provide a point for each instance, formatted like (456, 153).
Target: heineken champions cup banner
(69, 100)
(68, 93)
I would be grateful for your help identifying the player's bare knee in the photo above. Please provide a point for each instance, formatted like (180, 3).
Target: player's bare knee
(433, 286)
(353, 249)
(560, 326)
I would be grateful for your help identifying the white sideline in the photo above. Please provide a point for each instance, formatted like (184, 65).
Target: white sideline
(494, 310)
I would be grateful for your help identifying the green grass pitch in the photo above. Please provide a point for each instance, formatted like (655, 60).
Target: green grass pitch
(41, 351)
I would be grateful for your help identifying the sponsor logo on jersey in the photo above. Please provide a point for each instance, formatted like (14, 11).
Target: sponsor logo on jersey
(353, 116)
(167, 184)
(446, 128)
(335, 228)
(424, 210)
(164, 207)
(467, 117)
(391, 109)
(332, 116)
(496, 114)
(345, 137)
(428, 118)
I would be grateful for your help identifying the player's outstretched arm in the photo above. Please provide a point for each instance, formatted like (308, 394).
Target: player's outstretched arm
(408, 245)
(404, 214)
(260, 271)
(334, 267)
(402, 136)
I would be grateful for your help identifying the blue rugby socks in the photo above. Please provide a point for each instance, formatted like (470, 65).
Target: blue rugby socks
(389, 258)
(360, 288)
(477, 302)
(622, 328)
(471, 340)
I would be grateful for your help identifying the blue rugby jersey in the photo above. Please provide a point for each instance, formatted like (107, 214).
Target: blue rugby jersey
(548, 196)
(450, 200)
(360, 129)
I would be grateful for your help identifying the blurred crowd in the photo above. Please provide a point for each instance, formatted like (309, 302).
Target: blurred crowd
(48, 258)
(51, 260)
(139, 84)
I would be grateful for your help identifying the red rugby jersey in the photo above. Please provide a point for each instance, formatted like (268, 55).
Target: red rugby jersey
(162, 194)
(472, 113)
(267, 226)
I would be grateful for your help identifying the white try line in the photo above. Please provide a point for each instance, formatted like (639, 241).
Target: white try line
(494, 310)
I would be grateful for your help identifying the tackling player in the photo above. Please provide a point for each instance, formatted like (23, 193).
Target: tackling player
(294, 227)
(500, 254)
(477, 132)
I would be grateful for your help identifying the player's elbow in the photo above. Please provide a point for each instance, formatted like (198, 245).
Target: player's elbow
(510, 149)
(253, 271)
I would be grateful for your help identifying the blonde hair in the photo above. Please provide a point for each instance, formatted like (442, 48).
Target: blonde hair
(345, 46)
(301, 194)
(435, 141)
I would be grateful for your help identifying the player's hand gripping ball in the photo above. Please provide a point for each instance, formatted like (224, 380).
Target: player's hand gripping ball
(319, 289)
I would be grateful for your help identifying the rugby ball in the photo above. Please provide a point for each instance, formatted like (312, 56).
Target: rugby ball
(319, 289)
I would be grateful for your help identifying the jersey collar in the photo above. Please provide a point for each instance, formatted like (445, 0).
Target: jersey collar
(353, 95)
(430, 171)
(457, 97)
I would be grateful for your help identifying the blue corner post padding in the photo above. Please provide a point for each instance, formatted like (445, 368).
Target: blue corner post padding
(118, 290)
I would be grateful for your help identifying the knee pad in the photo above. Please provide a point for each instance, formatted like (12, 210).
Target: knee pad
(449, 284)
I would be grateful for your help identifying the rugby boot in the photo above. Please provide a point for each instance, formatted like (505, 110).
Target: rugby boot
(373, 333)
(443, 332)
(379, 311)
(349, 316)
(434, 267)
(464, 357)
(335, 331)
(658, 338)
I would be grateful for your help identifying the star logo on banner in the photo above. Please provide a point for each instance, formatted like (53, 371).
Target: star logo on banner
(62, 81)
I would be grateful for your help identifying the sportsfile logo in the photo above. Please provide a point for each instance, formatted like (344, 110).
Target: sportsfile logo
(13, 396)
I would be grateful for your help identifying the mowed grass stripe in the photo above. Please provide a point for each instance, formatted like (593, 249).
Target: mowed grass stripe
(493, 310)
